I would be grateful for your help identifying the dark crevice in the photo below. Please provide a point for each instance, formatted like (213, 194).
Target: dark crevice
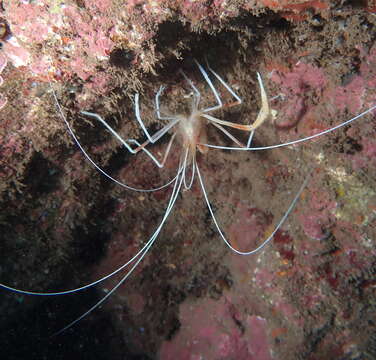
(32, 331)
(42, 176)
(121, 58)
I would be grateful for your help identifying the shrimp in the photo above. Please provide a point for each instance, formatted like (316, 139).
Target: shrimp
(190, 132)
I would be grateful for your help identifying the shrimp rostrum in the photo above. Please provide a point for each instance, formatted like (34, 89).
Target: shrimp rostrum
(190, 133)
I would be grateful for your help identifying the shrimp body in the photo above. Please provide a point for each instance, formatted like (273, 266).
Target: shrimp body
(192, 132)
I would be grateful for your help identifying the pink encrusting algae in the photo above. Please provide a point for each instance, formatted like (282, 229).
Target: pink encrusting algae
(210, 329)
(3, 64)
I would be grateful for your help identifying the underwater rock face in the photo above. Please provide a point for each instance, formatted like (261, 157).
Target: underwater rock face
(309, 294)
(217, 330)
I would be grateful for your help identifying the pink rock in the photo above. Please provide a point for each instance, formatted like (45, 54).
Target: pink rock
(294, 85)
(3, 62)
(247, 232)
(366, 157)
(314, 226)
(208, 331)
(349, 96)
(302, 76)
(101, 5)
(3, 101)
(291, 113)
(258, 346)
(17, 54)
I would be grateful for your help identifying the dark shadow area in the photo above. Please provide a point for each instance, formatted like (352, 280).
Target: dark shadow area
(90, 243)
(42, 176)
(121, 58)
(216, 46)
(357, 3)
(31, 334)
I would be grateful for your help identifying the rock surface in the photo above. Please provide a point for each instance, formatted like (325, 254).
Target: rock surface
(310, 294)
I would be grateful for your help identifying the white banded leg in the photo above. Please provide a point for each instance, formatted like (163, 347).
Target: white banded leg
(293, 142)
(230, 136)
(159, 133)
(143, 148)
(197, 95)
(101, 170)
(127, 143)
(157, 105)
(214, 91)
(228, 88)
